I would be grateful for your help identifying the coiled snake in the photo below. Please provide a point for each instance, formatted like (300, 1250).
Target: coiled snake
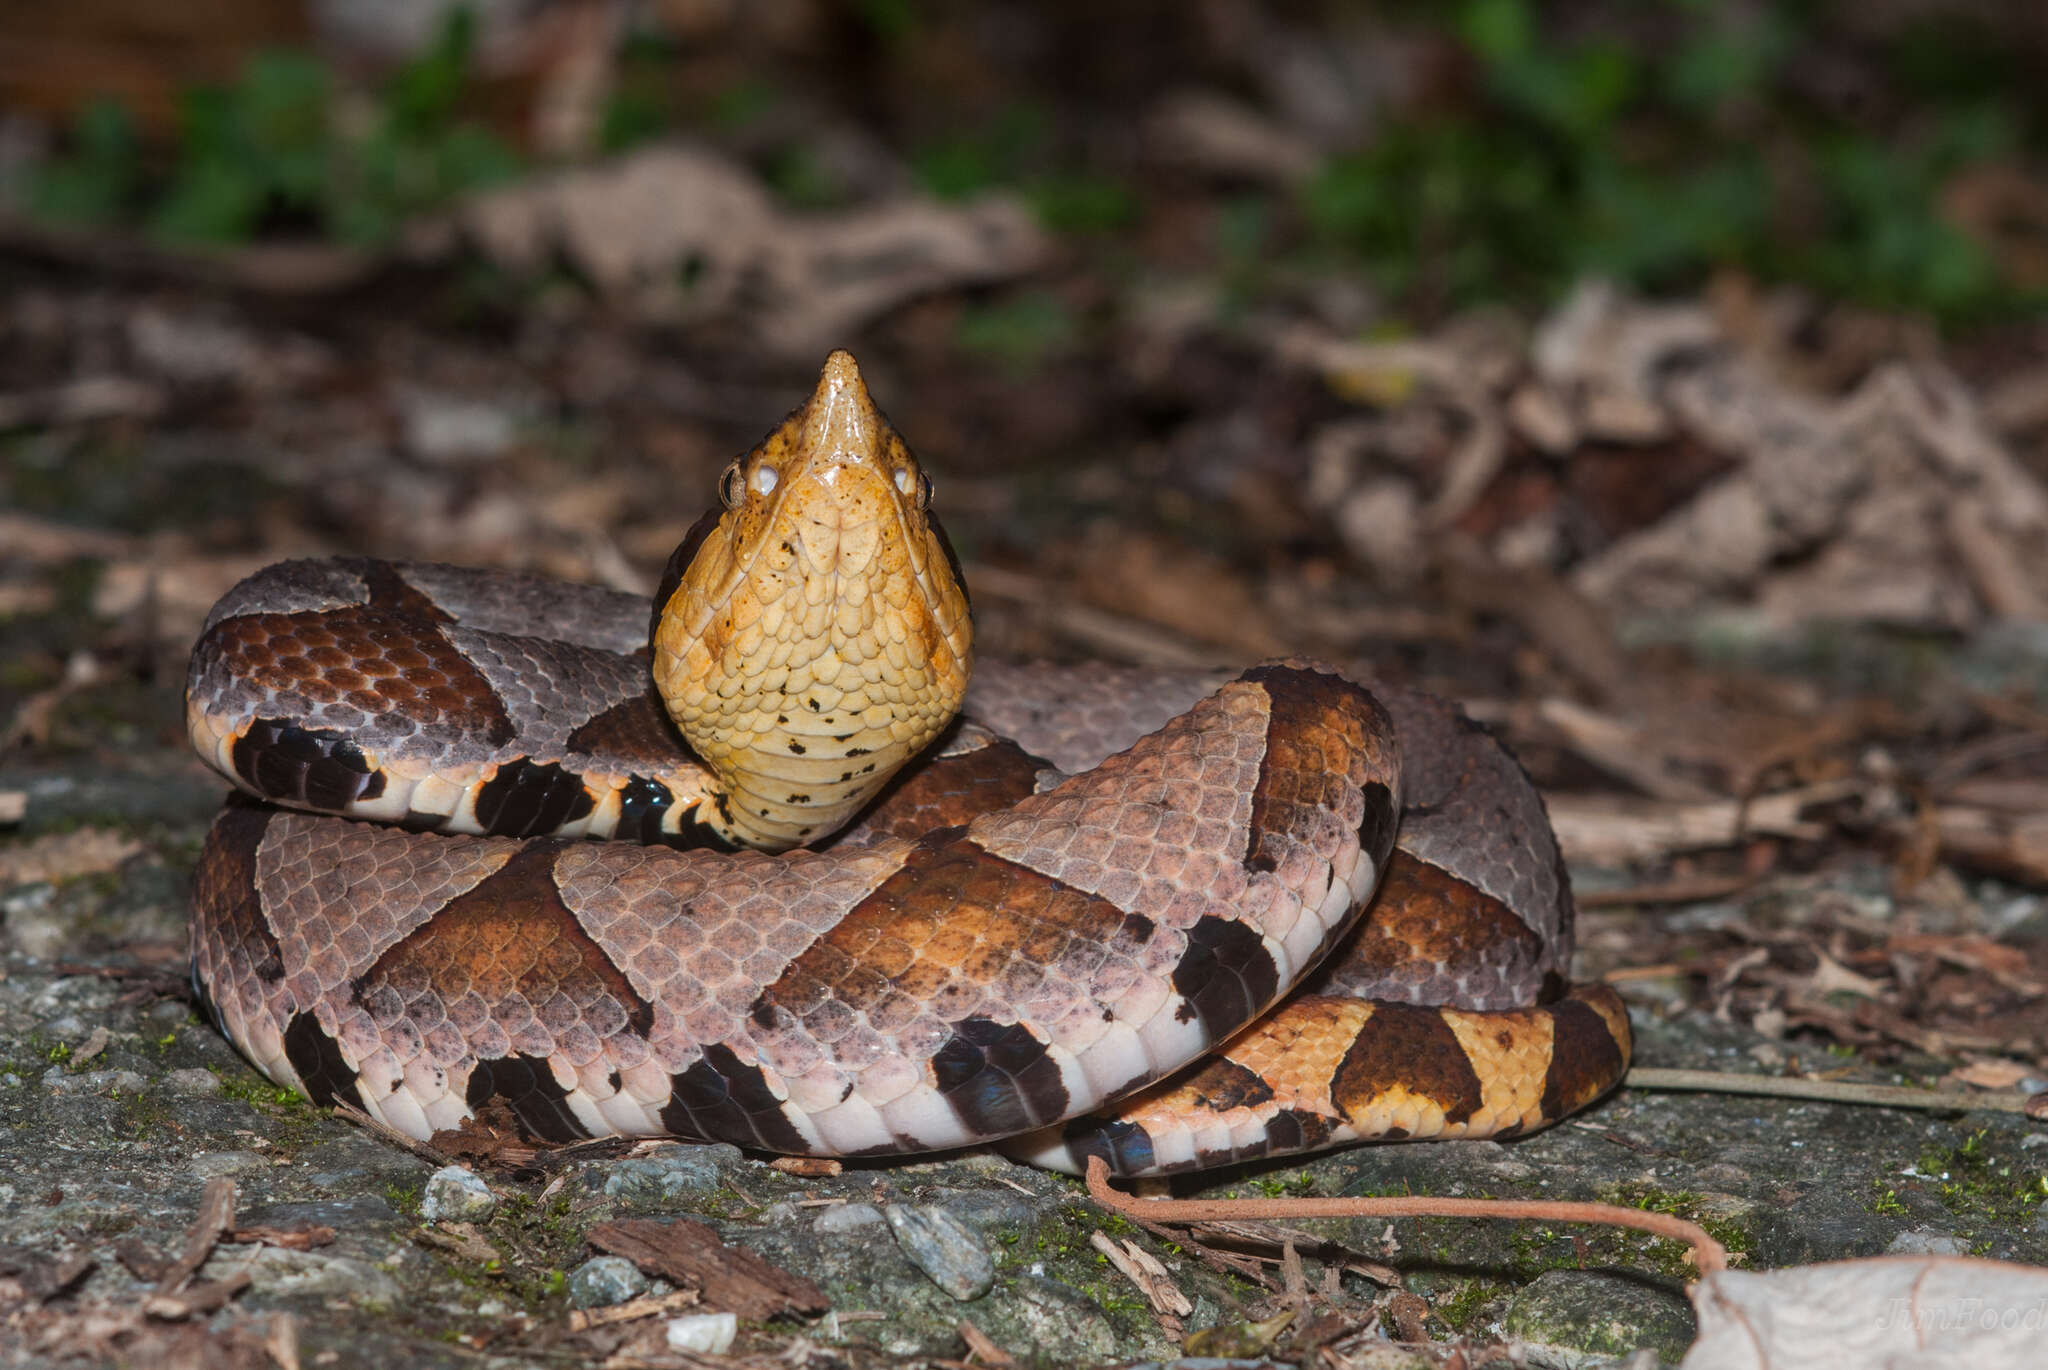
(1039, 915)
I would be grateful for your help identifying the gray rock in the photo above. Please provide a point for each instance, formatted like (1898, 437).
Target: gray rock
(30, 926)
(664, 1179)
(193, 1082)
(1591, 1312)
(283, 1273)
(946, 1249)
(357, 1213)
(457, 1194)
(1057, 1325)
(58, 1081)
(1927, 1241)
(603, 1281)
(207, 1164)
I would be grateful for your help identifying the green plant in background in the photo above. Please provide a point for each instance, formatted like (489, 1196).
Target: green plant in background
(268, 150)
(420, 152)
(255, 149)
(97, 183)
(1020, 332)
(1015, 149)
(1658, 157)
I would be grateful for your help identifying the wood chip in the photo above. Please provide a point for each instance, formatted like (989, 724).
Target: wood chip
(38, 1276)
(583, 1319)
(460, 1240)
(216, 1213)
(1143, 1269)
(807, 1167)
(689, 1255)
(195, 1300)
(139, 1259)
(1406, 1312)
(289, 1238)
(95, 1043)
(981, 1348)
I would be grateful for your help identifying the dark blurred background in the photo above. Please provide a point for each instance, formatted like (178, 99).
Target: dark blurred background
(1441, 155)
(1529, 349)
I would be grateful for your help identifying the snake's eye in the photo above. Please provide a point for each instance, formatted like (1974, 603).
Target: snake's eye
(924, 491)
(732, 486)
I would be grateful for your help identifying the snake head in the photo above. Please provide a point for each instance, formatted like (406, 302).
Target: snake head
(813, 635)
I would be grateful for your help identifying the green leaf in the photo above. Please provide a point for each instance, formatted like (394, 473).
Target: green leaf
(96, 181)
(1497, 30)
(213, 200)
(1019, 333)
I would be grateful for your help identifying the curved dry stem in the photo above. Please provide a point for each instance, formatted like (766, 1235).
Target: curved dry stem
(1708, 1255)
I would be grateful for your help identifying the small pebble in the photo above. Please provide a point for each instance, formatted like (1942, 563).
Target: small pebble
(61, 1081)
(1926, 1241)
(603, 1281)
(710, 1333)
(208, 1164)
(945, 1249)
(193, 1081)
(456, 1194)
(846, 1217)
(23, 900)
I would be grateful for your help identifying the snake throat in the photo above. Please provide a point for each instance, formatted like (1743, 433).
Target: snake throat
(816, 636)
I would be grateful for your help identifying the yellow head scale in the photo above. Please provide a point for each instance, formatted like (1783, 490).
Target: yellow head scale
(814, 636)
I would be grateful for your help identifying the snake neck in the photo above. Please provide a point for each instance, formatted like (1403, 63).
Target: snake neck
(814, 636)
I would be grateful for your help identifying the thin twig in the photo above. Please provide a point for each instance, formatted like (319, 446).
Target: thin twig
(583, 1319)
(1708, 1255)
(1693, 891)
(390, 1134)
(1840, 1091)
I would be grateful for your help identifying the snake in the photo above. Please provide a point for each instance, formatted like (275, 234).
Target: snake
(776, 861)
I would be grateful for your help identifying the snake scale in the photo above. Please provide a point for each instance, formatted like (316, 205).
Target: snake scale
(1104, 911)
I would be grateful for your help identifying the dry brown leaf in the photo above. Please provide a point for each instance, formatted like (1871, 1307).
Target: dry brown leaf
(1611, 830)
(801, 283)
(1933, 1313)
(1990, 1074)
(65, 855)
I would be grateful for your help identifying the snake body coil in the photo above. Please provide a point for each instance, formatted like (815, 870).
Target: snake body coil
(1028, 933)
